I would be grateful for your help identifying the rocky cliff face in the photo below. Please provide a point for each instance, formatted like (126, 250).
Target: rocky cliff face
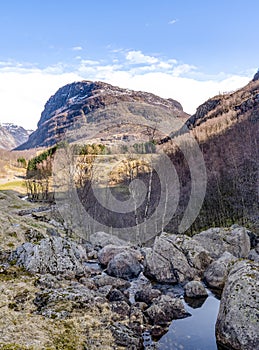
(76, 103)
(12, 135)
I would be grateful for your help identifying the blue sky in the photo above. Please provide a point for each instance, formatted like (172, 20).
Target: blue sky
(187, 50)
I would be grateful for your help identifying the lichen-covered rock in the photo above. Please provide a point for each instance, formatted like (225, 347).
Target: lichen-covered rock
(196, 255)
(166, 262)
(164, 309)
(216, 274)
(59, 302)
(253, 255)
(117, 295)
(237, 322)
(105, 280)
(54, 255)
(216, 241)
(195, 289)
(125, 336)
(121, 308)
(124, 265)
(109, 251)
(147, 295)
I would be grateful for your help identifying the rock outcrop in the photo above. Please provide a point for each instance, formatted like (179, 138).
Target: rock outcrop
(216, 241)
(54, 255)
(237, 322)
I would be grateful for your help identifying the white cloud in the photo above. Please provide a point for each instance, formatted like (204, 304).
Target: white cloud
(24, 90)
(77, 48)
(137, 57)
(173, 21)
(23, 94)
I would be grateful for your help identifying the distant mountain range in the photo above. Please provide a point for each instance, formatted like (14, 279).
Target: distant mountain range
(11, 136)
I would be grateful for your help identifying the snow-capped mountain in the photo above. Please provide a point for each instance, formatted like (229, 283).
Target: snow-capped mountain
(11, 135)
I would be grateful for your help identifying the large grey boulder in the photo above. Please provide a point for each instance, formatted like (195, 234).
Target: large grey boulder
(124, 265)
(216, 274)
(108, 252)
(216, 241)
(237, 322)
(166, 262)
(195, 289)
(196, 254)
(54, 255)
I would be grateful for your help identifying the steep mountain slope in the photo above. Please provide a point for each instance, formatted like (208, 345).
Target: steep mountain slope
(12, 135)
(77, 103)
(227, 130)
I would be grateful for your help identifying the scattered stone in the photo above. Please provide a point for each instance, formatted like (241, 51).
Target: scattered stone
(195, 289)
(105, 280)
(237, 322)
(164, 309)
(117, 295)
(147, 295)
(216, 274)
(136, 315)
(88, 283)
(126, 337)
(121, 308)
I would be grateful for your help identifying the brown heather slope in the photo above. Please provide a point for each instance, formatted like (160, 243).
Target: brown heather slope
(227, 130)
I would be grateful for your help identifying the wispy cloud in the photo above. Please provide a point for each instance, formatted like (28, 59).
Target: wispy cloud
(77, 48)
(173, 21)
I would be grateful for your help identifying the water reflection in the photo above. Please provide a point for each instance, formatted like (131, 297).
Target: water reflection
(196, 332)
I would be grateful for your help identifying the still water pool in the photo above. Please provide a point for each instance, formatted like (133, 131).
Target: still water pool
(196, 332)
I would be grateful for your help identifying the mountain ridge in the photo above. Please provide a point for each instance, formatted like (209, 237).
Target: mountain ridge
(77, 102)
(11, 135)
